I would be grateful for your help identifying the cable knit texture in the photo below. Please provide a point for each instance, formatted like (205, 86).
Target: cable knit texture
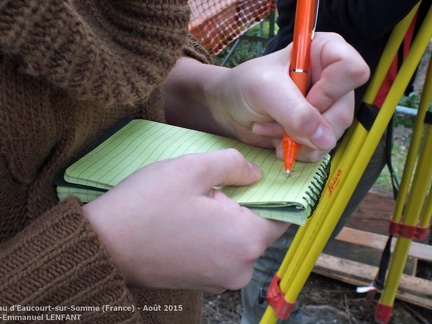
(69, 70)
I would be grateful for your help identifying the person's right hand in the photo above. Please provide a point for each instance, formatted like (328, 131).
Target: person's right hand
(257, 100)
(167, 226)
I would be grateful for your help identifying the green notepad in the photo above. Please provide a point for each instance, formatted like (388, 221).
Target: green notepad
(141, 142)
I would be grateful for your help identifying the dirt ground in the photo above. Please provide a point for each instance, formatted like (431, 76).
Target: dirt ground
(330, 300)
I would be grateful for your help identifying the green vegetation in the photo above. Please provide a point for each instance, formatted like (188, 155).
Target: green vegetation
(399, 153)
(410, 101)
(246, 49)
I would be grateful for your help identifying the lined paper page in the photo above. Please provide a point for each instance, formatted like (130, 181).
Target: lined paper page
(142, 142)
(275, 188)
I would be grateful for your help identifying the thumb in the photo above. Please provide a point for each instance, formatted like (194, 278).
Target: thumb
(225, 168)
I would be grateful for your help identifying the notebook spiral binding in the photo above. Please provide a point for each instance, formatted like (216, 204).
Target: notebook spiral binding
(316, 187)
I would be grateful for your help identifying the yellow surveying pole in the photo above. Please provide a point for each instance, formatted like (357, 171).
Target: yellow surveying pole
(346, 172)
(412, 223)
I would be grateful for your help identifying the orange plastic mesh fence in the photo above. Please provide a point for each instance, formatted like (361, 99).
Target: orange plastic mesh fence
(217, 23)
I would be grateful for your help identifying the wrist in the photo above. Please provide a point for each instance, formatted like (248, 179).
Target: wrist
(192, 97)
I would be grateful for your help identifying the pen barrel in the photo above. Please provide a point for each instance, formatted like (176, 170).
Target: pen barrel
(301, 80)
(304, 24)
(290, 148)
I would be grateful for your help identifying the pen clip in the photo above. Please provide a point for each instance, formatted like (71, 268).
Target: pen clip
(316, 19)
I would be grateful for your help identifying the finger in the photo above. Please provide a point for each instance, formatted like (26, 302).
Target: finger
(284, 102)
(263, 232)
(339, 121)
(305, 154)
(274, 230)
(268, 129)
(308, 155)
(341, 69)
(340, 116)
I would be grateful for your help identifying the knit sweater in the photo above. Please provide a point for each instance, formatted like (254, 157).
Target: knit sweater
(70, 70)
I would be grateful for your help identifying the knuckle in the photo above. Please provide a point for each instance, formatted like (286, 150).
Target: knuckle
(358, 71)
(236, 157)
(305, 121)
(242, 279)
(254, 249)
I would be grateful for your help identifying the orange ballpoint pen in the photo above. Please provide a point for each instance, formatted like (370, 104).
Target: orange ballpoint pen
(304, 29)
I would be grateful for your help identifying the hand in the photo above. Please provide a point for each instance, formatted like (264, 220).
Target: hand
(166, 226)
(257, 98)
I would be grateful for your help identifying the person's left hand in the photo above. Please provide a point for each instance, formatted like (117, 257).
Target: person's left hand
(257, 99)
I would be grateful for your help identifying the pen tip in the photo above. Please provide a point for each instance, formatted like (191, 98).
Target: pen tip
(288, 174)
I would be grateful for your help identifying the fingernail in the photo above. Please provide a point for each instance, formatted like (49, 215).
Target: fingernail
(318, 132)
(323, 138)
(255, 128)
(255, 168)
(280, 152)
